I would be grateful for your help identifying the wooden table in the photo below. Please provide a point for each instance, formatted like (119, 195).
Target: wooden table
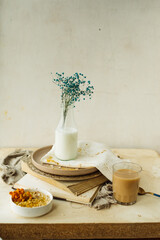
(74, 221)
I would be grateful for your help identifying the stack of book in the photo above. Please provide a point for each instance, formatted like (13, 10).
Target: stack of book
(62, 187)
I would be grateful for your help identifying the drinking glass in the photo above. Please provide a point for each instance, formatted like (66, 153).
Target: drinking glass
(126, 178)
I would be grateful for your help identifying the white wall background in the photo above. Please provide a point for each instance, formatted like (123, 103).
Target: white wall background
(116, 43)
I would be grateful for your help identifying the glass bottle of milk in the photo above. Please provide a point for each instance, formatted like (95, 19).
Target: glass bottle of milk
(66, 136)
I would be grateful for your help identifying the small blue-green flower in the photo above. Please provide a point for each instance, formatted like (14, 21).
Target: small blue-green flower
(72, 87)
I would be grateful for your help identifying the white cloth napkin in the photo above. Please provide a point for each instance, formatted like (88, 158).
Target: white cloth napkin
(90, 154)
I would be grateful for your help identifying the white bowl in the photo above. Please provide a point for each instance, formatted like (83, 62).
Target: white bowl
(34, 211)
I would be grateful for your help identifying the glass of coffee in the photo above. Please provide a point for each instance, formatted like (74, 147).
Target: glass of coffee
(126, 177)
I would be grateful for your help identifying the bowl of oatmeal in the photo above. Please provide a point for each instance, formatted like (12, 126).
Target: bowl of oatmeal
(30, 202)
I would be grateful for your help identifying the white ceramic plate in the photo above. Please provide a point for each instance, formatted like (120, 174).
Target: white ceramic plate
(35, 211)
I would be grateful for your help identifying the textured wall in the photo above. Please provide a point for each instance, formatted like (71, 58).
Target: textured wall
(115, 43)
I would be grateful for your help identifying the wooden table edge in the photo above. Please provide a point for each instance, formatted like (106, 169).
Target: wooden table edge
(80, 231)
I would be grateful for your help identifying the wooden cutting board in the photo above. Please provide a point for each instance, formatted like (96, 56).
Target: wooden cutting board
(64, 182)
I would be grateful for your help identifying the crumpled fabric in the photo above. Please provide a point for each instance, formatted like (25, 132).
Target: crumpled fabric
(11, 166)
(104, 198)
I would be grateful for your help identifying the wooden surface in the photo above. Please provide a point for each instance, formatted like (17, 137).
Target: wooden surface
(80, 231)
(74, 221)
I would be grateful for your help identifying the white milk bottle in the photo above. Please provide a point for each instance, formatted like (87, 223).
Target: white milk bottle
(66, 136)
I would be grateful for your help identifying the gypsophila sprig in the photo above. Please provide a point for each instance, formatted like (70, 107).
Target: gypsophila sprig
(73, 89)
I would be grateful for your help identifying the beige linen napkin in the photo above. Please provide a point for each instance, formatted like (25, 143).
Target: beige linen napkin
(11, 166)
(90, 154)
